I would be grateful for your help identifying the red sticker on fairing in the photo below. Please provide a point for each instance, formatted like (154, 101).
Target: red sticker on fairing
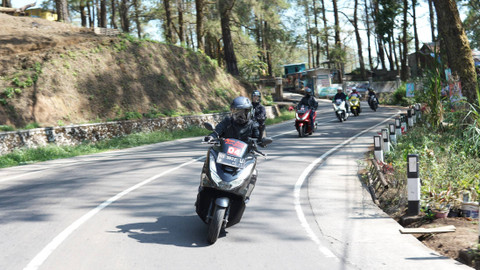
(234, 151)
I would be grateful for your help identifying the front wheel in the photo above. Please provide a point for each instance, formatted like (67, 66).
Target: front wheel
(215, 224)
(301, 131)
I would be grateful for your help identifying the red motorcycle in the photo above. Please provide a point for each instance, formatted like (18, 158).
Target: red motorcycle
(302, 121)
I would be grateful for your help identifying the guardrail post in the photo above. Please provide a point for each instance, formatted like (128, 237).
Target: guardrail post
(414, 117)
(403, 119)
(398, 127)
(410, 118)
(386, 143)
(377, 144)
(393, 137)
(413, 186)
(418, 113)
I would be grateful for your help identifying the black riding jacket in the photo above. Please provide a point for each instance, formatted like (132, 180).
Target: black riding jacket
(341, 96)
(227, 128)
(260, 114)
(309, 101)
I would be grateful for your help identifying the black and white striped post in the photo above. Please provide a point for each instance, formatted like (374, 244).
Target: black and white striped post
(393, 136)
(413, 186)
(403, 118)
(386, 143)
(398, 127)
(377, 146)
(409, 118)
(414, 117)
(418, 112)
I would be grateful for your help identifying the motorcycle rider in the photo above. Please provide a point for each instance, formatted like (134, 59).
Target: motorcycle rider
(370, 93)
(239, 124)
(309, 100)
(354, 93)
(259, 112)
(342, 96)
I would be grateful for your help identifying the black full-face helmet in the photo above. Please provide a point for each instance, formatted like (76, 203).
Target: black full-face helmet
(241, 109)
(256, 96)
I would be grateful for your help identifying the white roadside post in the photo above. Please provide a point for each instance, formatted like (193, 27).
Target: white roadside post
(413, 186)
(393, 137)
(386, 143)
(418, 113)
(398, 127)
(414, 117)
(409, 118)
(377, 144)
(403, 118)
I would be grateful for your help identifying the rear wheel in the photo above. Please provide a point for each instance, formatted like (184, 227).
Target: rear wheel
(215, 224)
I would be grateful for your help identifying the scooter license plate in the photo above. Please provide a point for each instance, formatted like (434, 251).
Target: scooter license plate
(230, 161)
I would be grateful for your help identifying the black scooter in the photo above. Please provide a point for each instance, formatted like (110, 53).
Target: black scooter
(226, 183)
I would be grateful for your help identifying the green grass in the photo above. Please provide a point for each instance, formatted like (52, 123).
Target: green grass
(27, 156)
(285, 116)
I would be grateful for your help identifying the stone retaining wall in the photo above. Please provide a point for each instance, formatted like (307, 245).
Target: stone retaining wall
(76, 134)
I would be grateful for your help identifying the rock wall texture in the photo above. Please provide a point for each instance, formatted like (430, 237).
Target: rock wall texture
(77, 134)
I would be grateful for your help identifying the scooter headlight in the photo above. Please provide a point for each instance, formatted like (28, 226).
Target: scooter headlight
(242, 176)
(301, 118)
(213, 170)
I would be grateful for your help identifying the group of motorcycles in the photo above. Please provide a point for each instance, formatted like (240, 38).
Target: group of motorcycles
(229, 173)
(339, 107)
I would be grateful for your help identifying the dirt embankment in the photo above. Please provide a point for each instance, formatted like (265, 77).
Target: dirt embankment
(54, 73)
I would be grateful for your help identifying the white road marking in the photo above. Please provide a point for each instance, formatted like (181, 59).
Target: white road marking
(40, 258)
(305, 174)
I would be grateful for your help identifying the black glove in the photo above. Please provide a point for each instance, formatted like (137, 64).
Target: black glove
(208, 138)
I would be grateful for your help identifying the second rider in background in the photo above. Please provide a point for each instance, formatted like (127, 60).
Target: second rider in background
(309, 100)
(259, 112)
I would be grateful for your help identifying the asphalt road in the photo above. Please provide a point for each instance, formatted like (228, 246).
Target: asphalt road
(134, 208)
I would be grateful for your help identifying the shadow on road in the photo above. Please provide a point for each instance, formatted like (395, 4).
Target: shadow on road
(184, 231)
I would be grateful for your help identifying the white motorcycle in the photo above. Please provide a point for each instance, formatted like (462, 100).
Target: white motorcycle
(339, 107)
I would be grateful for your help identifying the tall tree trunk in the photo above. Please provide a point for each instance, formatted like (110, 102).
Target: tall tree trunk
(432, 20)
(137, 19)
(181, 31)
(325, 29)
(415, 33)
(359, 42)
(380, 53)
(317, 41)
(199, 4)
(97, 8)
(83, 13)
(113, 23)
(7, 3)
(389, 54)
(62, 11)
(367, 22)
(90, 15)
(458, 49)
(168, 21)
(337, 24)
(404, 69)
(309, 38)
(267, 46)
(124, 19)
(103, 13)
(225, 9)
(397, 66)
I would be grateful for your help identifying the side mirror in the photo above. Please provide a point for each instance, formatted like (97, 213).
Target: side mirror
(208, 126)
(266, 141)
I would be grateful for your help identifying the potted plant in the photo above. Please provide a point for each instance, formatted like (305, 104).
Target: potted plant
(440, 201)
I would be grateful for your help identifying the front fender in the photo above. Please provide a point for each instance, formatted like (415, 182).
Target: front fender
(222, 202)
